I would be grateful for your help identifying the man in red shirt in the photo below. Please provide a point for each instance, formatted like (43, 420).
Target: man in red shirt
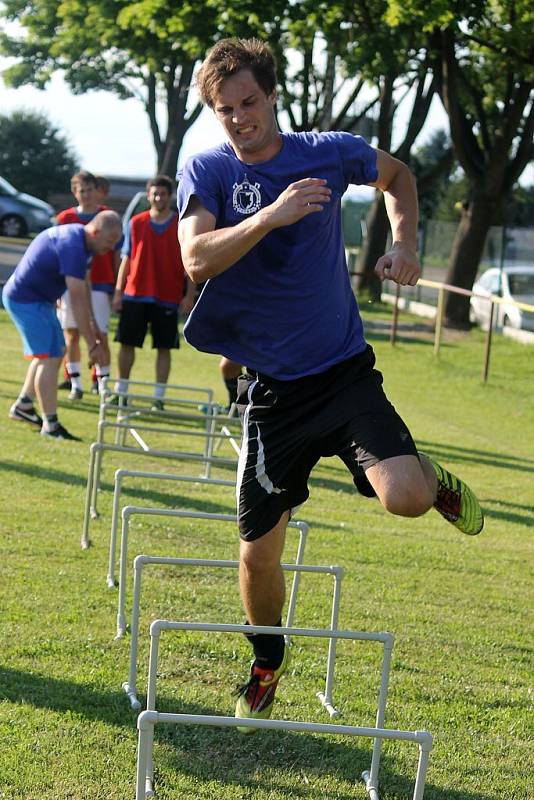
(150, 285)
(103, 274)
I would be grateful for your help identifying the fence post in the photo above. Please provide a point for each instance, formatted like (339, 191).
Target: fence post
(393, 334)
(439, 320)
(488, 344)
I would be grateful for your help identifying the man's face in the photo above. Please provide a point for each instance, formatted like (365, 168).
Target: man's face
(247, 115)
(85, 194)
(159, 198)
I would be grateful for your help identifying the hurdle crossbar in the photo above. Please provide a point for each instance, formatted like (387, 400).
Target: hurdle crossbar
(129, 511)
(151, 717)
(142, 561)
(120, 475)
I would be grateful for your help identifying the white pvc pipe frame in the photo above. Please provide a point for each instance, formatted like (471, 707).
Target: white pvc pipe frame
(147, 720)
(95, 467)
(129, 511)
(120, 475)
(325, 698)
(99, 447)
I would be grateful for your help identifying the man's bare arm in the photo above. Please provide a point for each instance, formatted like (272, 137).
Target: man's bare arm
(81, 307)
(207, 252)
(400, 264)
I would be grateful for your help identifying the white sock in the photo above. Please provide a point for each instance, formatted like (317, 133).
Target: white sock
(73, 368)
(121, 385)
(159, 391)
(101, 373)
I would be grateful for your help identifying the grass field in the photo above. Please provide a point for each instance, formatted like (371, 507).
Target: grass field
(460, 608)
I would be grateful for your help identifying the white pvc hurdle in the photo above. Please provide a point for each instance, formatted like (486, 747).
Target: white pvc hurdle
(96, 452)
(120, 475)
(129, 511)
(142, 561)
(151, 717)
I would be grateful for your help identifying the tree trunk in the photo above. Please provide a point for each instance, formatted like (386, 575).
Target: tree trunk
(169, 161)
(373, 247)
(465, 257)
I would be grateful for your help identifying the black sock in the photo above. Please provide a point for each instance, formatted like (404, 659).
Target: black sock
(24, 400)
(231, 385)
(268, 648)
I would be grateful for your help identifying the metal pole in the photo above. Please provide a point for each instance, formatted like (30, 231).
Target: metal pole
(487, 352)
(393, 335)
(439, 320)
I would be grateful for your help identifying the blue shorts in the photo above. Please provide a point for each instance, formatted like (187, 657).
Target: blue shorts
(39, 328)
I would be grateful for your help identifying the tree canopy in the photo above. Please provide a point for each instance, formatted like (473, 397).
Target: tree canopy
(34, 156)
(484, 59)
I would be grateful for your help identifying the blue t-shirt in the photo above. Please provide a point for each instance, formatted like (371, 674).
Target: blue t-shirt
(53, 255)
(286, 308)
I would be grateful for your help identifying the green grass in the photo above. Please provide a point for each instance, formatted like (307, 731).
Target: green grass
(460, 608)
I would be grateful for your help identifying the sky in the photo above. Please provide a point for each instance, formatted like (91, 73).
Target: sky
(112, 136)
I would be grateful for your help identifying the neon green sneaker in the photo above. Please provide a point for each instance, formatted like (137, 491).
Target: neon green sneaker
(456, 502)
(256, 697)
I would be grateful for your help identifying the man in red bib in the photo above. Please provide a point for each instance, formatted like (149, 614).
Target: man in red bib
(151, 285)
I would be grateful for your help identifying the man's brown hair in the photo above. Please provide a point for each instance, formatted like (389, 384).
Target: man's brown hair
(230, 56)
(83, 176)
(161, 180)
(102, 183)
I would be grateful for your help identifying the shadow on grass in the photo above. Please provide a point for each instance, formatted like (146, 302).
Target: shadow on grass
(222, 755)
(458, 455)
(161, 498)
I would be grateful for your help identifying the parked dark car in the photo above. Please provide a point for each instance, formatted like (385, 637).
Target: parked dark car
(21, 213)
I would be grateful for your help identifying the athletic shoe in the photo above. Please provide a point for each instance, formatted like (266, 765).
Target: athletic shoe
(59, 432)
(25, 415)
(66, 384)
(256, 697)
(75, 394)
(456, 502)
(117, 400)
(157, 405)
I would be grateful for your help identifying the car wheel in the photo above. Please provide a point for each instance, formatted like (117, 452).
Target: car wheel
(13, 225)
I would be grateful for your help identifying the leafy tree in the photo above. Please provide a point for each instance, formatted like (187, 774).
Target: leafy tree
(396, 62)
(146, 50)
(34, 155)
(432, 165)
(484, 58)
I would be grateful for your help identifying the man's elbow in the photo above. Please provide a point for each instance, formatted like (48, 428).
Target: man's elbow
(195, 269)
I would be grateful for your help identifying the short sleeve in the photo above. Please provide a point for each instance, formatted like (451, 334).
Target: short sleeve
(199, 178)
(72, 254)
(357, 157)
(126, 248)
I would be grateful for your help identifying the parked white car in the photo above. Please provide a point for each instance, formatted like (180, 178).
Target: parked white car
(512, 284)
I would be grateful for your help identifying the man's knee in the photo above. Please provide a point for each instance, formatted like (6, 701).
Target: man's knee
(401, 486)
(407, 501)
(256, 558)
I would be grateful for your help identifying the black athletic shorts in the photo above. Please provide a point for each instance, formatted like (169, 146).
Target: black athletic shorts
(134, 320)
(289, 425)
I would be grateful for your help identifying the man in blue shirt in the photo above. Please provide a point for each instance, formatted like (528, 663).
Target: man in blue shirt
(56, 260)
(261, 223)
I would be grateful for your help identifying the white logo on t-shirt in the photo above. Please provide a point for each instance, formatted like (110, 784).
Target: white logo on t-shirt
(246, 198)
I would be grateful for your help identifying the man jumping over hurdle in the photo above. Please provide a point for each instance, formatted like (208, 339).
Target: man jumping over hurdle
(260, 221)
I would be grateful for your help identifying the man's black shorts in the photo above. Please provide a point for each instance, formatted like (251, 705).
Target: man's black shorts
(289, 425)
(135, 318)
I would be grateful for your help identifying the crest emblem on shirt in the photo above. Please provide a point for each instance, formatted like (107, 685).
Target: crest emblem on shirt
(246, 197)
